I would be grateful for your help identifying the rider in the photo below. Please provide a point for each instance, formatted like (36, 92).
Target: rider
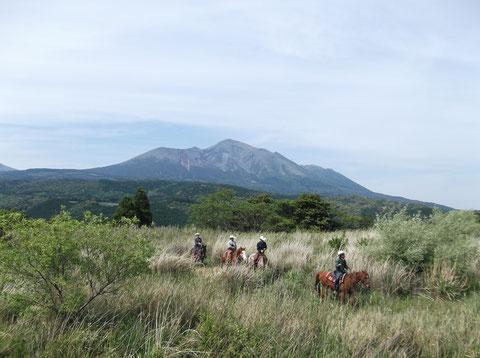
(341, 268)
(232, 244)
(197, 241)
(261, 247)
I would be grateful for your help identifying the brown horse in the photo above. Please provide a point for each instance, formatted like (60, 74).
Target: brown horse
(347, 285)
(259, 259)
(199, 253)
(229, 257)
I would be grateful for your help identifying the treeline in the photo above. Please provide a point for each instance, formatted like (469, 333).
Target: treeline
(225, 210)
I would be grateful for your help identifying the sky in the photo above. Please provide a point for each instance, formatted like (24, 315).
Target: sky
(386, 92)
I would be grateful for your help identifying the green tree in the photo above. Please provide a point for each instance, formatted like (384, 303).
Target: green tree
(126, 209)
(142, 208)
(312, 212)
(63, 265)
(215, 210)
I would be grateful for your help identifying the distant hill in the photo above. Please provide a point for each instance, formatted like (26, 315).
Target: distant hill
(229, 163)
(4, 168)
(170, 201)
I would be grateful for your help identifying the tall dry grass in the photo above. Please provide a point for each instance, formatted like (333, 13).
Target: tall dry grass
(183, 309)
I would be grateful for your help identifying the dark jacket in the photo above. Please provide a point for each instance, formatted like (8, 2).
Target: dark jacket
(341, 265)
(261, 245)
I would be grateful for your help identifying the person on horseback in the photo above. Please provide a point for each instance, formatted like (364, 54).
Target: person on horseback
(232, 244)
(261, 247)
(199, 249)
(341, 269)
(197, 241)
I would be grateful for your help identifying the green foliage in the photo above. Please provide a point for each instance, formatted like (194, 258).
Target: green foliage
(170, 201)
(225, 210)
(126, 209)
(137, 208)
(222, 336)
(362, 242)
(417, 242)
(185, 310)
(338, 242)
(312, 213)
(142, 208)
(215, 210)
(62, 265)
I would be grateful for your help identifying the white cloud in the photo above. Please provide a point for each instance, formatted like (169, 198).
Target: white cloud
(380, 81)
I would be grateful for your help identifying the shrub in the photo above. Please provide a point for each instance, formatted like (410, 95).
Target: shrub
(64, 264)
(338, 242)
(222, 335)
(422, 243)
(443, 281)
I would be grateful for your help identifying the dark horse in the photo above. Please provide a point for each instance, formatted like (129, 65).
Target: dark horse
(347, 286)
(199, 253)
(230, 257)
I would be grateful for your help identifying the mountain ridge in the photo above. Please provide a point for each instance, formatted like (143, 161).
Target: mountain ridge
(228, 162)
(4, 168)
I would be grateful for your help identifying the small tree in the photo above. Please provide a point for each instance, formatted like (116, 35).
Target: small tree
(126, 209)
(142, 208)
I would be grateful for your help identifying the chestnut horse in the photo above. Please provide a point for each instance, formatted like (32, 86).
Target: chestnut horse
(347, 286)
(233, 258)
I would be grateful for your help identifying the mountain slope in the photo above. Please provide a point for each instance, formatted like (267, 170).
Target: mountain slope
(4, 168)
(228, 163)
(235, 163)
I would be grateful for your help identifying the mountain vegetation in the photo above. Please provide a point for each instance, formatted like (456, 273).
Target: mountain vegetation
(170, 201)
(224, 210)
(89, 288)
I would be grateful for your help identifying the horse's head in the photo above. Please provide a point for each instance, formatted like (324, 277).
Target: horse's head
(241, 253)
(364, 278)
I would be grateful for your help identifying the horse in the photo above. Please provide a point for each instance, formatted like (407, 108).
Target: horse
(233, 258)
(347, 284)
(262, 260)
(199, 253)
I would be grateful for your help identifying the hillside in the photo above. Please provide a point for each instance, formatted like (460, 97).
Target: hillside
(228, 163)
(170, 200)
(4, 168)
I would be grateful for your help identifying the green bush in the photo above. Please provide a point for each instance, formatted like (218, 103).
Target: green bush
(62, 265)
(417, 242)
(221, 335)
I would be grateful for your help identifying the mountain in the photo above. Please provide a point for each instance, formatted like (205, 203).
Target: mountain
(235, 163)
(4, 168)
(229, 162)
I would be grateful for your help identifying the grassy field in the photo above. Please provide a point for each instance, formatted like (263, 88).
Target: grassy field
(182, 309)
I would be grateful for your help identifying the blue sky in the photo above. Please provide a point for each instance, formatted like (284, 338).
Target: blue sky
(385, 92)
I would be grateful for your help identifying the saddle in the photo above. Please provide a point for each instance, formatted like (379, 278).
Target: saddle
(331, 277)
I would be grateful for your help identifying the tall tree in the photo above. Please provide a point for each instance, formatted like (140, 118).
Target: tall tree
(312, 212)
(142, 208)
(126, 209)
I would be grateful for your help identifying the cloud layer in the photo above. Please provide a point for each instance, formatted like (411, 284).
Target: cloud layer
(385, 91)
